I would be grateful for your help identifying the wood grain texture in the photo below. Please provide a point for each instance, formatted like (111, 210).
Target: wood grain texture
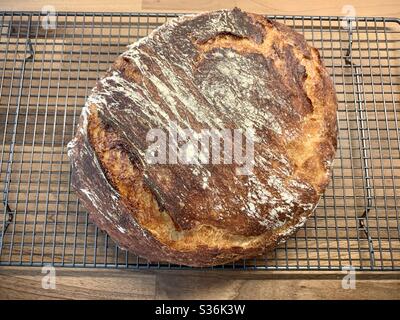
(306, 7)
(25, 283)
(73, 5)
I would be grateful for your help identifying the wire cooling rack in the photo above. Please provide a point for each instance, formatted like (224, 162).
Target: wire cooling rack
(48, 67)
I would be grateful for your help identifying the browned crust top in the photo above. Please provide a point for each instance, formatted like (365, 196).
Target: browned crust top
(263, 67)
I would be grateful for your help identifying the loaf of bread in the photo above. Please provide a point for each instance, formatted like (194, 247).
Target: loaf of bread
(212, 72)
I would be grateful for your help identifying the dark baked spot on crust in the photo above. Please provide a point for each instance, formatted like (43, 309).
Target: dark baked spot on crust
(242, 26)
(127, 69)
(223, 34)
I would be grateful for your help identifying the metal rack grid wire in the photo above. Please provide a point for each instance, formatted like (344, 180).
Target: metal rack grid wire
(47, 72)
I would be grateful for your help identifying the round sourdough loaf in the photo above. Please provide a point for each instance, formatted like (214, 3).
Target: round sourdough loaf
(220, 71)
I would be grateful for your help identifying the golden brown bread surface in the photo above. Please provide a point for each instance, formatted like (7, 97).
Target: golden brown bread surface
(223, 69)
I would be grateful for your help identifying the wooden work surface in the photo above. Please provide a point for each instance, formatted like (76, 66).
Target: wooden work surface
(25, 282)
(386, 8)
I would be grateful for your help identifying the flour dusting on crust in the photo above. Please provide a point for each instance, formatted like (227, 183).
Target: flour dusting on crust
(224, 69)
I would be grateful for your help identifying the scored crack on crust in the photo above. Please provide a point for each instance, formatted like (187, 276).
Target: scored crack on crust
(223, 69)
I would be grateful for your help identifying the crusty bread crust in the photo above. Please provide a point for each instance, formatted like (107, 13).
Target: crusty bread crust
(272, 80)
